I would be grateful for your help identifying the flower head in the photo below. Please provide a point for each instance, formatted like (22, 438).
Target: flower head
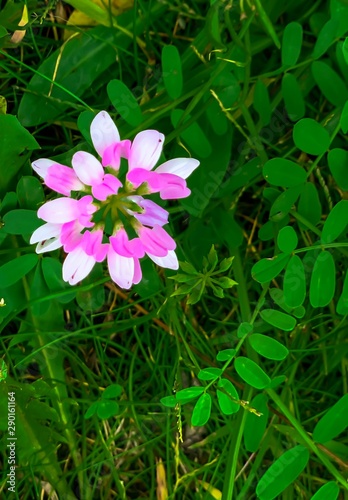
(100, 217)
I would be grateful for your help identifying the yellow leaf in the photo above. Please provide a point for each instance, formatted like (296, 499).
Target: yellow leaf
(214, 492)
(18, 35)
(93, 12)
(162, 491)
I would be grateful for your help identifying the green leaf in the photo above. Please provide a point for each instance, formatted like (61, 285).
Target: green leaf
(338, 163)
(267, 269)
(278, 319)
(277, 381)
(285, 173)
(193, 135)
(326, 37)
(277, 295)
(311, 137)
(107, 409)
(345, 50)
(344, 118)
(188, 268)
(169, 401)
(251, 373)
(39, 289)
(293, 97)
(201, 411)
(196, 293)
(330, 84)
(15, 142)
(124, 102)
(213, 258)
(309, 205)
(243, 329)
(333, 422)
(335, 223)
(84, 122)
(323, 281)
(291, 44)
(226, 282)
(91, 410)
(284, 203)
(287, 239)
(262, 102)
(209, 373)
(113, 391)
(330, 491)
(342, 304)
(226, 354)
(282, 473)
(30, 193)
(268, 347)
(267, 23)
(255, 426)
(82, 61)
(13, 271)
(21, 221)
(52, 271)
(226, 404)
(294, 283)
(187, 394)
(171, 71)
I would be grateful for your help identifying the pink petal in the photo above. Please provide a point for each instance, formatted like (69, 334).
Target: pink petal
(108, 187)
(104, 132)
(113, 154)
(62, 179)
(170, 261)
(146, 149)
(183, 167)
(156, 241)
(77, 266)
(42, 165)
(87, 168)
(93, 246)
(59, 211)
(121, 269)
(152, 215)
(71, 235)
(171, 187)
(86, 210)
(139, 175)
(125, 247)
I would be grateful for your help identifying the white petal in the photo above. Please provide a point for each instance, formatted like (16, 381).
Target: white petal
(183, 167)
(146, 149)
(88, 169)
(59, 211)
(77, 266)
(45, 232)
(170, 261)
(103, 132)
(121, 269)
(48, 245)
(42, 165)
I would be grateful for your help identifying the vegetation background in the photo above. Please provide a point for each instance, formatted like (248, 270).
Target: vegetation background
(187, 386)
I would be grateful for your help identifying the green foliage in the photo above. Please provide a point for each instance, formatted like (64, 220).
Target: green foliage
(195, 283)
(258, 93)
(105, 408)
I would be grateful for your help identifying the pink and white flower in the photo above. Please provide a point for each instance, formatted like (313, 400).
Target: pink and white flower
(77, 222)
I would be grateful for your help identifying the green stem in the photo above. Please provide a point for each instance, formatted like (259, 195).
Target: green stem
(310, 443)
